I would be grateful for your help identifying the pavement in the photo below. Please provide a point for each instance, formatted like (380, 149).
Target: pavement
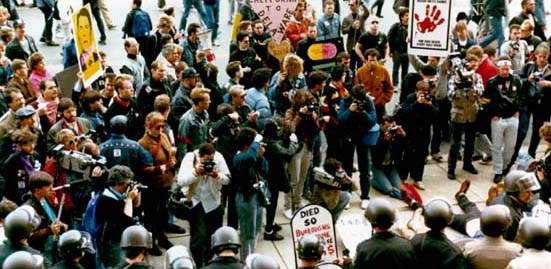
(436, 182)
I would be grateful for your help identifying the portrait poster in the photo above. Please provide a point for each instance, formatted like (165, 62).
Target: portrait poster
(275, 14)
(86, 45)
(429, 27)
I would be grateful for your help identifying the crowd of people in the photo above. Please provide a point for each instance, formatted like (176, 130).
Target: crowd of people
(96, 179)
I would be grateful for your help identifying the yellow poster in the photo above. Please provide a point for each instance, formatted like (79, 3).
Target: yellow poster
(87, 50)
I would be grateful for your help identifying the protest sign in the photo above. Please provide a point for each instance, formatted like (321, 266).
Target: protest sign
(353, 229)
(87, 49)
(429, 27)
(315, 220)
(322, 54)
(275, 14)
(66, 80)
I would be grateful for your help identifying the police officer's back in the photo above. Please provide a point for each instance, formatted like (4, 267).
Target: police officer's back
(384, 249)
(73, 245)
(134, 241)
(310, 249)
(225, 244)
(23, 260)
(433, 248)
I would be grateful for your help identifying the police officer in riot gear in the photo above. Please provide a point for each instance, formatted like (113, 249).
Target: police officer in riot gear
(178, 257)
(494, 221)
(519, 190)
(259, 261)
(534, 237)
(225, 244)
(433, 248)
(310, 250)
(73, 245)
(18, 226)
(23, 260)
(384, 249)
(134, 241)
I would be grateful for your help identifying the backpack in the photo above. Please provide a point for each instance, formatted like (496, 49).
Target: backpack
(140, 24)
(89, 218)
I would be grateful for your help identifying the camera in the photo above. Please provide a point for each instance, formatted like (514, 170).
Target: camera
(465, 76)
(538, 76)
(76, 161)
(136, 185)
(208, 166)
(432, 83)
(312, 106)
(427, 96)
(515, 45)
(360, 104)
(538, 165)
(392, 130)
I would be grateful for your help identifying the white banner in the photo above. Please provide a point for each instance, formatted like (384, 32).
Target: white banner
(429, 27)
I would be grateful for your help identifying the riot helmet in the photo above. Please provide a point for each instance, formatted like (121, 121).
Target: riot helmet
(23, 260)
(178, 257)
(136, 236)
(224, 238)
(380, 213)
(534, 233)
(72, 244)
(519, 181)
(495, 220)
(438, 213)
(20, 223)
(259, 261)
(310, 247)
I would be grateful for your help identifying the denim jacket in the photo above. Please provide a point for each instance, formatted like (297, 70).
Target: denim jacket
(329, 27)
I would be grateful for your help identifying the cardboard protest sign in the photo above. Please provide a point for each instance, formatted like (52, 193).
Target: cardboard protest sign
(353, 229)
(316, 220)
(279, 50)
(66, 80)
(87, 49)
(429, 25)
(275, 14)
(322, 54)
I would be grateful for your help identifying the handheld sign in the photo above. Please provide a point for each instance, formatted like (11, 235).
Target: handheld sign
(87, 48)
(322, 54)
(353, 229)
(429, 27)
(315, 220)
(275, 14)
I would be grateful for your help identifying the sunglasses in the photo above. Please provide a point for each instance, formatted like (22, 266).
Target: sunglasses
(374, 22)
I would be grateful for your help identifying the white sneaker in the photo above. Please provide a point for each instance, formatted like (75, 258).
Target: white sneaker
(347, 206)
(364, 203)
(419, 185)
(288, 213)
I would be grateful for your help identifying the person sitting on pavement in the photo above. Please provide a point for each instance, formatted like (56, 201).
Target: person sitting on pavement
(332, 187)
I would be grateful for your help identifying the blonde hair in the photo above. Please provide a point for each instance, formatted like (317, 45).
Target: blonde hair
(62, 135)
(152, 118)
(292, 65)
(545, 132)
(165, 19)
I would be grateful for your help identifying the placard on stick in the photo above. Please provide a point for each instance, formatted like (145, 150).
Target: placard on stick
(316, 220)
(275, 14)
(429, 27)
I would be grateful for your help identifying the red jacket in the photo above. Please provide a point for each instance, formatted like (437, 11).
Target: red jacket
(487, 69)
(295, 29)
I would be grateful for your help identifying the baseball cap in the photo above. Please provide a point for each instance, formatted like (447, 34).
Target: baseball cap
(189, 73)
(18, 23)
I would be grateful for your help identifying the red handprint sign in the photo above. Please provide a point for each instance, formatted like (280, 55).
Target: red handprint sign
(431, 20)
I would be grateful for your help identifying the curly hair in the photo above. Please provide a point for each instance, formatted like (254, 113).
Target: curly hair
(545, 132)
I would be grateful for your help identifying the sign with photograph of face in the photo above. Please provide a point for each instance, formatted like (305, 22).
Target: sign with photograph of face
(86, 45)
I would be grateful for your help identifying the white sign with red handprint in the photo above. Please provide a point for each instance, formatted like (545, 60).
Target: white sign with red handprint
(429, 27)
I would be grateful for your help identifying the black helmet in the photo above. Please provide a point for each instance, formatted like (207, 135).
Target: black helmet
(118, 124)
(534, 233)
(178, 257)
(310, 247)
(72, 244)
(136, 236)
(258, 261)
(518, 180)
(494, 220)
(224, 238)
(438, 213)
(23, 260)
(20, 223)
(380, 213)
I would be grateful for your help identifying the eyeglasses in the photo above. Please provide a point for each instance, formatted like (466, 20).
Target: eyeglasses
(375, 22)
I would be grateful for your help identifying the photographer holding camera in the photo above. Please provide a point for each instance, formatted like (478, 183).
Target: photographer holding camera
(464, 91)
(115, 211)
(356, 117)
(515, 48)
(204, 171)
(543, 166)
(332, 187)
(536, 82)
(386, 156)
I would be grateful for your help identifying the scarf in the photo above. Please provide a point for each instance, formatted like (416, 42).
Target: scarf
(51, 107)
(121, 102)
(26, 162)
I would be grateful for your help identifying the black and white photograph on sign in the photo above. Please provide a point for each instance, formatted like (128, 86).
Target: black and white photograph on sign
(429, 25)
(315, 220)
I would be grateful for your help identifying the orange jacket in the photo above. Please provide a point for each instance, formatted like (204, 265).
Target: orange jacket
(376, 82)
(295, 29)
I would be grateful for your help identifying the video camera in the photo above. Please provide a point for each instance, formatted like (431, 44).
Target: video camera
(312, 106)
(465, 76)
(361, 105)
(538, 76)
(76, 161)
(137, 185)
(322, 177)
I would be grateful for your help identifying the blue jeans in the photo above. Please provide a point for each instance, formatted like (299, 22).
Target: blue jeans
(344, 199)
(540, 113)
(200, 6)
(387, 180)
(497, 33)
(213, 16)
(364, 163)
(250, 222)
